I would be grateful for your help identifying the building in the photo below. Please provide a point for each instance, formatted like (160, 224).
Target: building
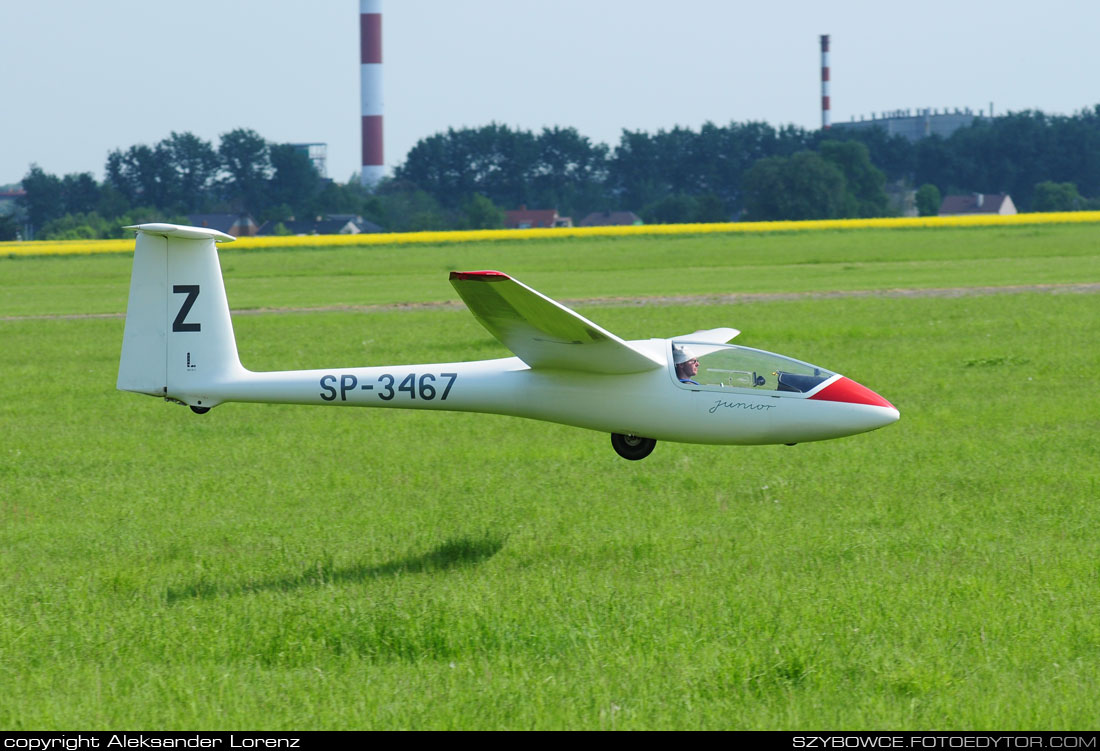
(524, 218)
(354, 224)
(914, 125)
(977, 203)
(333, 224)
(9, 200)
(238, 225)
(317, 154)
(611, 219)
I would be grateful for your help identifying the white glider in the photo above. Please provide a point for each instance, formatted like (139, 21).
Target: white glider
(179, 345)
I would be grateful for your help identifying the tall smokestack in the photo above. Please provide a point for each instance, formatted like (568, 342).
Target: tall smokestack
(370, 80)
(824, 81)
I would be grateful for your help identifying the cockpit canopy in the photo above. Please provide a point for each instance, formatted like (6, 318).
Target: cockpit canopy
(729, 366)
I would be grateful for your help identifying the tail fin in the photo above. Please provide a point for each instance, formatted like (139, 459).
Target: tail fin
(178, 341)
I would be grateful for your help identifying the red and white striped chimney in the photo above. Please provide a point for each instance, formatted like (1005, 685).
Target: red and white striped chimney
(824, 81)
(370, 80)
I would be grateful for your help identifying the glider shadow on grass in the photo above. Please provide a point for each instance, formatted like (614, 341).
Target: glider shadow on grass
(457, 553)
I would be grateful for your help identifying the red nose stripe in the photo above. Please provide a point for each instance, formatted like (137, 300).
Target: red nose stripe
(847, 390)
(479, 276)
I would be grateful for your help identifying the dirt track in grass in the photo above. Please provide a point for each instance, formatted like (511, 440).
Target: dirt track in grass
(624, 302)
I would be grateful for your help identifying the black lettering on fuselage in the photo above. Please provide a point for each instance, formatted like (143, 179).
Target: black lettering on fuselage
(347, 383)
(326, 385)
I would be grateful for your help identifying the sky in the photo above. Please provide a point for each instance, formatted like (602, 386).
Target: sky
(79, 79)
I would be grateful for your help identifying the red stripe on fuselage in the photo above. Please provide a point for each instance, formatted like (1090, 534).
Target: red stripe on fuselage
(847, 390)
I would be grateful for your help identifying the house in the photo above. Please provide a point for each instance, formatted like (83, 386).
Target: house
(238, 225)
(977, 203)
(333, 224)
(611, 219)
(9, 199)
(525, 218)
(353, 224)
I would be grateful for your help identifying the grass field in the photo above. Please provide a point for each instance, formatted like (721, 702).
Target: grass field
(292, 567)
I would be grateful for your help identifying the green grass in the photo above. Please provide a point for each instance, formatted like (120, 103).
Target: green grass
(644, 266)
(272, 566)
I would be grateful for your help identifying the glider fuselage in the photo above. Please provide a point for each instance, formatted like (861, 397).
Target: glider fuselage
(650, 404)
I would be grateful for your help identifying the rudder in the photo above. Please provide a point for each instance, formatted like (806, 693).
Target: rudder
(178, 342)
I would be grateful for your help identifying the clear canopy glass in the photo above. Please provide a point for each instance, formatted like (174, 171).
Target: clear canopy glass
(730, 366)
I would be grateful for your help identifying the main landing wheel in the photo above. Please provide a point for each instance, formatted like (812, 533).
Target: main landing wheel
(631, 446)
(200, 410)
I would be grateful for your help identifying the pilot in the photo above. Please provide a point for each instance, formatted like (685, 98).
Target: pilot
(686, 365)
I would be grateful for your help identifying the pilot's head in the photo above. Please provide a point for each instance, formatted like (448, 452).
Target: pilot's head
(686, 363)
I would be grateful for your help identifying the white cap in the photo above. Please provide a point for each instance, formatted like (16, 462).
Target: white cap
(681, 355)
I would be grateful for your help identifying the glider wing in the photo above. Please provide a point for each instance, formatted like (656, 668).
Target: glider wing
(542, 332)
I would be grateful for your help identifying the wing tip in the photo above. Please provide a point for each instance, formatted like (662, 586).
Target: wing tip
(479, 276)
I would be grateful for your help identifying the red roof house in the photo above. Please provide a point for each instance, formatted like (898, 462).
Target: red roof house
(525, 218)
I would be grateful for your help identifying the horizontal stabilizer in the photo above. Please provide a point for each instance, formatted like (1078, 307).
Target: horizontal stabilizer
(184, 233)
(710, 336)
(544, 333)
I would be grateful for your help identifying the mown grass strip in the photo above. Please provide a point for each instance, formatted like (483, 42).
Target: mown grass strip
(82, 247)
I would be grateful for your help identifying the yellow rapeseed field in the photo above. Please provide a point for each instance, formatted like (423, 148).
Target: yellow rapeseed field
(75, 247)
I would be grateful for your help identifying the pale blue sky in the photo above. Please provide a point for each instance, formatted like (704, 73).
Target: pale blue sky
(81, 78)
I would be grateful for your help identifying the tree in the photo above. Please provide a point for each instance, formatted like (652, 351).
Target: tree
(677, 209)
(403, 208)
(295, 181)
(494, 160)
(682, 209)
(111, 201)
(44, 199)
(645, 168)
(77, 226)
(143, 175)
(349, 198)
(570, 172)
(442, 165)
(9, 227)
(1052, 196)
(194, 165)
(894, 155)
(636, 175)
(247, 164)
(79, 193)
(864, 182)
(710, 208)
(803, 186)
(481, 213)
(928, 200)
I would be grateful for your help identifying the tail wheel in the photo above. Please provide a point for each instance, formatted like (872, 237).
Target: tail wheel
(200, 410)
(632, 447)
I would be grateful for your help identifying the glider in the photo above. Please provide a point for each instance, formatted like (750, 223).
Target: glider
(179, 345)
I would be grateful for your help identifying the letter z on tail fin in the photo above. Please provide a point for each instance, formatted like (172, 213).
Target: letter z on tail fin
(178, 341)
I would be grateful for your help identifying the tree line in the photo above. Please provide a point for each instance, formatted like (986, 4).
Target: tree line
(754, 171)
(465, 178)
(182, 174)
